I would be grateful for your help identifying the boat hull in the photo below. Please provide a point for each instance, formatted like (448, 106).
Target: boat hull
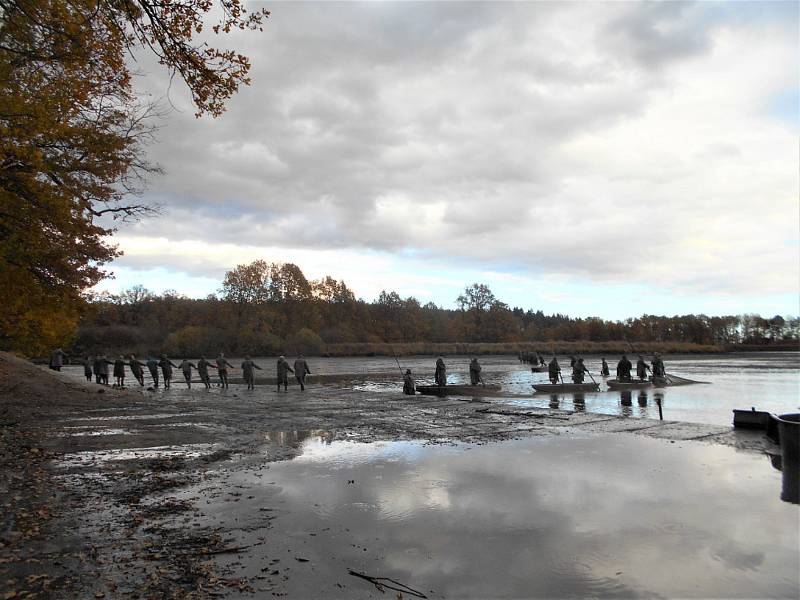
(539, 369)
(458, 390)
(555, 388)
(613, 384)
(751, 419)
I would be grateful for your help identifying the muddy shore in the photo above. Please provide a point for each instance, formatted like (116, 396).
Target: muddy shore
(94, 480)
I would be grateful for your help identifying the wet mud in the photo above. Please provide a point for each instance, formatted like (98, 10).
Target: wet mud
(230, 493)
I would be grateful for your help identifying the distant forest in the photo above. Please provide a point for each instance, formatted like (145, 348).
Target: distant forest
(266, 309)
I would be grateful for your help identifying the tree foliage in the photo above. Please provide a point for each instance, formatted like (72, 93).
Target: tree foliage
(73, 137)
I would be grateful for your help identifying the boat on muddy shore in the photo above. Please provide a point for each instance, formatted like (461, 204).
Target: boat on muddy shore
(539, 369)
(614, 384)
(566, 387)
(458, 390)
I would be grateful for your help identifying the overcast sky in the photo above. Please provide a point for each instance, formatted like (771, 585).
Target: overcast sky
(584, 158)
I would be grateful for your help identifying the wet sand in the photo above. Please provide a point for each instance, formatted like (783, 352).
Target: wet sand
(240, 494)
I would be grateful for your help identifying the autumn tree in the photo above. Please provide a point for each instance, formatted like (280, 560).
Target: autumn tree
(73, 137)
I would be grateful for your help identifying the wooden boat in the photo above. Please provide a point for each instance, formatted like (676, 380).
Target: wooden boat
(539, 369)
(613, 384)
(458, 390)
(555, 388)
(751, 419)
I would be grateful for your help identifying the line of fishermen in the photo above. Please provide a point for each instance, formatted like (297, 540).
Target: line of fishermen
(98, 367)
(624, 368)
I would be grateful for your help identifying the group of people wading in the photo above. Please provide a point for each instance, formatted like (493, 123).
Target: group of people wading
(624, 368)
(98, 367)
(440, 376)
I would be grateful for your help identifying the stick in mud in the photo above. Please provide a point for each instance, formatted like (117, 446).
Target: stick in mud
(380, 583)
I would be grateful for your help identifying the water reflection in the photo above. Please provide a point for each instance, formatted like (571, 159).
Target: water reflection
(579, 402)
(553, 401)
(498, 520)
(295, 438)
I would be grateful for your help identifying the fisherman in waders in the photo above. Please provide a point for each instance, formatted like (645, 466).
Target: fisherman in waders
(152, 366)
(136, 369)
(624, 367)
(248, 372)
(572, 361)
(300, 371)
(186, 369)
(202, 370)
(658, 366)
(553, 370)
(409, 385)
(119, 371)
(577, 371)
(604, 369)
(87, 368)
(102, 370)
(96, 368)
(57, 359)
(222, 369)
(642, 368)
(166, 369)
(474, 372)
(283, 373)
(541, 359)
(440, 375)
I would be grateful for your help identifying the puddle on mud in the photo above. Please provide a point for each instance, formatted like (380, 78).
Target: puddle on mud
(100, 457)
(89, 432)
(539, 517)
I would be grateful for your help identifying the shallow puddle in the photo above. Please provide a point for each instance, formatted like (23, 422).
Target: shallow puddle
(99, 457)
(548, 517)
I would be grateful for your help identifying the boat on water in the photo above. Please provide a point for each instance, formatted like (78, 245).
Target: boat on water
(458, 390)
(614, 384)
(539, 369)
(566, 387)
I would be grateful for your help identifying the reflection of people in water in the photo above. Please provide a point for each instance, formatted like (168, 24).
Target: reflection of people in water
(625, 398)
(553, 400)
(642, 399)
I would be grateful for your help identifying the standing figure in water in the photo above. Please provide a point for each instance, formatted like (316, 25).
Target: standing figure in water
(136, 368)
(554, 370)
(202, 369)
(624, 367)
(87, 368)
(474, 372)
(409, 385)
(248, 372)
(642, 368)
(283, 369)
(658, 366)
(222, 369)
(186, 369)
(440, 375)
(541, 359)
(57, 359)
(578, 371)
(300, 371)
(166, 369)
(102, 369)
(119, 371)
(96, 367)
(604, 368)
(152, 366)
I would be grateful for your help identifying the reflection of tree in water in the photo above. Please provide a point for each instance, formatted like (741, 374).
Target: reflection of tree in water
(295, 438)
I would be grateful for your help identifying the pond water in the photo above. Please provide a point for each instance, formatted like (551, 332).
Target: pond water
(767, 380)
(584, 516)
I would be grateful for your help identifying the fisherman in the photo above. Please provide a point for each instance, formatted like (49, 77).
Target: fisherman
(57, 359)
(409, 385)
(283, 373)
(166, 369)
(248, 372)
(553, 370)
(119, 371)
(578, 370)
(202, 370)
(186, 369)
(152, 366)
(541, 359)
(604, 368)
(440, 375)
(222, 369)
(658, 366)
(300, 371)
(136, 368)
(572, 361)
(102, 372)
(87, 368)
(642, 368)
(96, 367)
(474, 372)
(624, 367)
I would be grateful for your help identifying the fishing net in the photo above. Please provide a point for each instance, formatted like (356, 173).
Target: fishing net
(675, 380)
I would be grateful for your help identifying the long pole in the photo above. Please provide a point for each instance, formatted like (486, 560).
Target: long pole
(397, 360)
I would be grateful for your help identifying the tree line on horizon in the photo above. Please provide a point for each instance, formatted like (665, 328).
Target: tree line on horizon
(272, 308)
